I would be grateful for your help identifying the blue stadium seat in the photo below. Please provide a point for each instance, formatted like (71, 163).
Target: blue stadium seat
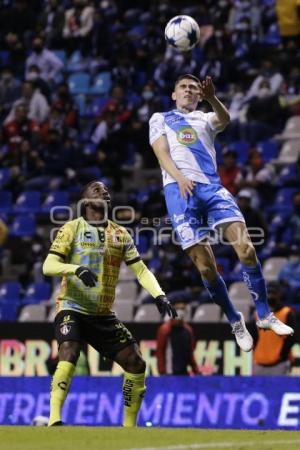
(283, 200)
(80, 101)
(269, 149)
(75, 62)
(23, 226)
(10, 291)
(79, 83)
(61, 54)
(8, 311)
(36, 292)
(102, 83)
(56, 198)
(6, 204)
(97, 105)
(241, 148)
(4, 176)
(28, 202)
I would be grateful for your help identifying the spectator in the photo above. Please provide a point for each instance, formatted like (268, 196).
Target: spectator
(34, 75)
(21, 127)
(272, 354)
(10, 90)
(288, 13)
(78, 26)
(38, 108)
(49, 64)
(258, 178)
(286, 233)
(229, 172)
(17, 53)
(255, 221)
(176, 344)
(290, 175)
(271, 75)
(51, 23)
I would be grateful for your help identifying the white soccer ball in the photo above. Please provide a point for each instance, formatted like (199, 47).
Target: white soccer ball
(40, 421)
(182, 33)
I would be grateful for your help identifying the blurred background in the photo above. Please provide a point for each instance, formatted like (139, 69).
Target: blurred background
(79, 81)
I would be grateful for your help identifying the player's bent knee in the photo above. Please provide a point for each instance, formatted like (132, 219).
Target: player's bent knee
(135, 364)
(69, 351)
(248, 255)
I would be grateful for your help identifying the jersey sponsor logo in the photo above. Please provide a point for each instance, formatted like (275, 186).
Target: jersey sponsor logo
(186, 136)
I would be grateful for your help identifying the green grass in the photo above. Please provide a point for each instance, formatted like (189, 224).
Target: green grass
(97, 438)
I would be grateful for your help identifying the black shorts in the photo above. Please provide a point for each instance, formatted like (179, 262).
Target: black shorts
(105, 333)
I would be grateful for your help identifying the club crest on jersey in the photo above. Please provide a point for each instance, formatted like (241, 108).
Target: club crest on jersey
(186, 136)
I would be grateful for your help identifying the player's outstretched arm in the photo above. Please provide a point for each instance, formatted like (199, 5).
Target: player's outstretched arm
(207, 90)
(150, 283)
(55, 267)
(162, 152)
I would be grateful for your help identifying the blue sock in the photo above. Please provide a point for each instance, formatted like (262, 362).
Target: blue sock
(219, 294)
(256, 284)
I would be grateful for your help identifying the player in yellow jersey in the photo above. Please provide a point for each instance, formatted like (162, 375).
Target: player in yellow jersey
(87, 252)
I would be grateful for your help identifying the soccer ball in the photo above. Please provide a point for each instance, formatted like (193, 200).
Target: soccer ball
(40, 421)
(182, 33)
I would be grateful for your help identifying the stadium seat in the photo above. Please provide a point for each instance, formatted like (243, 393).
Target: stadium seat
(55, 199)
(269, 149)
(10, 291)
(37, 292)
(147, 313)
(272, 267)
(207, 313)
(61, 54)
(283, 201)
(6, 203)
(238, 291)
(241, 148)
(291, 129)
(102, 84)
(76, 63)
(4, 176)
(123, 310)
(126, 290)
(8, 311)
(289, 152)
(33, 313)
(80, 101)
(79, 83)
(126, 273)
(23, 226)
(28, 202)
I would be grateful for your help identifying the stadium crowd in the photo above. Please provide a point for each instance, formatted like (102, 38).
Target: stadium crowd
(79, 81)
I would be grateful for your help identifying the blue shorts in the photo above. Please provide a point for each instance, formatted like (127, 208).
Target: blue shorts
(210, 207)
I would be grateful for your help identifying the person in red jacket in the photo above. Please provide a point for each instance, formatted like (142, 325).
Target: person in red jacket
(175, 345)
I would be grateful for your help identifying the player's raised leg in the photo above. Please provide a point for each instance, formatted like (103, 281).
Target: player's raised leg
(130, 359)
(68, 354)
(237, 234)
(203, 257)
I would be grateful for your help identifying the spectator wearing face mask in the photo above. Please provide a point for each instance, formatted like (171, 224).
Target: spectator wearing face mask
(49, 64)
(34, 75)
(272, 354)
(271, 75)
(10, 90)
(175, 345)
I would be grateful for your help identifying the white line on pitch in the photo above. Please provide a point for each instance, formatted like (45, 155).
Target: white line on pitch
(220, 445)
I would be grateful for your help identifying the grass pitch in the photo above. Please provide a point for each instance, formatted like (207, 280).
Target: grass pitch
(97, 438)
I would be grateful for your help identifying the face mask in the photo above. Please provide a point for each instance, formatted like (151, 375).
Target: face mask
(38, 49)
(32, 76)
(181, 314)
(147, 95)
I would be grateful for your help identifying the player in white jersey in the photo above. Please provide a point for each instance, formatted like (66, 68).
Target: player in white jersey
(183, 141)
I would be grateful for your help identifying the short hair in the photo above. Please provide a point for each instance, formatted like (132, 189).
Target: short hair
(189, 76)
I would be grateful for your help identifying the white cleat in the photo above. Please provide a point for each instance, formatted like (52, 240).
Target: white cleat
(242, 335)
(272, 323)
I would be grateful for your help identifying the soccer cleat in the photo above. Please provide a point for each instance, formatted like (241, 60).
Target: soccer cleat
(59, 423)
(242, 335)
(272, 323)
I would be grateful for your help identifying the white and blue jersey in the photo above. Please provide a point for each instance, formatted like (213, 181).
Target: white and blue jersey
(191, 142)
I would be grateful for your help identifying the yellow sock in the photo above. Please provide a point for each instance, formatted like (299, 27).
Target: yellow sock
(59, 389)
(133, 393)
